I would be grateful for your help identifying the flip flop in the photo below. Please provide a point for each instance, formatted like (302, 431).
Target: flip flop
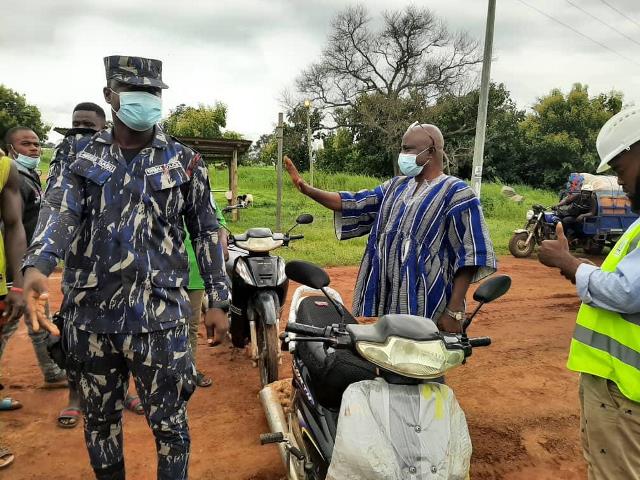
(9, 403)
(69, 417)
(6, 456)
(133, 403)
(202, 380)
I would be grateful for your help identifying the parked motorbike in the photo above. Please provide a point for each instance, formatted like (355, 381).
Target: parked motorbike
(258, 290)
(541, 225)
(333, 355)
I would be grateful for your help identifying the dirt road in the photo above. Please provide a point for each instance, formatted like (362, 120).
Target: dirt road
(520, 401)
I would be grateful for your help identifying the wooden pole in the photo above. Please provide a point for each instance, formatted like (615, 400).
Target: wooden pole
(233, 172)
(279, 137)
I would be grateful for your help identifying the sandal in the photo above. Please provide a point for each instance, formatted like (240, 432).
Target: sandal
(6, 456)
(133, 403)
(69, 417)
(9, 403)
(202, 380)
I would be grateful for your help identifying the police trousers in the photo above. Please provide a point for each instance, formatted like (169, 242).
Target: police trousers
(164, 375)
(610, 430)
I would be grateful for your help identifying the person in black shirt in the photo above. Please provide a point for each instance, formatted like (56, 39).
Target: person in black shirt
(23, 146)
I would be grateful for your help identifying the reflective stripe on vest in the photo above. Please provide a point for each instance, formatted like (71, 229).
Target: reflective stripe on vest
(605, 343)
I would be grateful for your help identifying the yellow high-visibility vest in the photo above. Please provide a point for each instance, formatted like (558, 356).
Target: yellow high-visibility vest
(605, 343)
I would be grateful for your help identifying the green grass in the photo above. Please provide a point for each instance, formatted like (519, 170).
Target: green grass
(320, 244)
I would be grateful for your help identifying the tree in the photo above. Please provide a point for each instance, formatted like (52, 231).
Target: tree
(204, 121)
(383, 78)
(561, 134)
(15, 111)
(456, 117)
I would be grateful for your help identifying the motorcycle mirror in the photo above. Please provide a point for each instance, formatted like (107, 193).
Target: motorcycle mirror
(307, 274)
(492, 289)
(304, 219)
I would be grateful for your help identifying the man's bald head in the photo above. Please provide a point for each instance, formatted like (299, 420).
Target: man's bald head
(428, 131)
(425, 141)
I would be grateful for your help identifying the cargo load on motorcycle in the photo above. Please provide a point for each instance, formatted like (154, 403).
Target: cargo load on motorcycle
(593, 209)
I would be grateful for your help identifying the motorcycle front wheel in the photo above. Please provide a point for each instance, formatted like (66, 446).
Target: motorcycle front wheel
(268, 360)
(518, 245)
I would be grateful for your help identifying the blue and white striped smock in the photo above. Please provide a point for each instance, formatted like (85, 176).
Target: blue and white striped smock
(419, 236)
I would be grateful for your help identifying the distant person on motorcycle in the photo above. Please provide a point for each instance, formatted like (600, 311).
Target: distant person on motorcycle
(575, 208)
(605, 348)
(428, 240)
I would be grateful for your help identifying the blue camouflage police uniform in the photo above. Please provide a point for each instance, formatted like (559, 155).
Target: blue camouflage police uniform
(118, 226)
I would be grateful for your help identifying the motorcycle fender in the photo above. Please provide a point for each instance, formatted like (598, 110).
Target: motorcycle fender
(265, 305)
(520, 230)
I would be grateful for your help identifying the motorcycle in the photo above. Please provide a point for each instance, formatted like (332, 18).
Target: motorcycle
(541, 225)
(356, 386)
(258, 290)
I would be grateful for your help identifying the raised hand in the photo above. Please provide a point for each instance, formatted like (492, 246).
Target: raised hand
(296, 178)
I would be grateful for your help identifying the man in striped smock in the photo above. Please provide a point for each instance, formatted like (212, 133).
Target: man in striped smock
(428, 240)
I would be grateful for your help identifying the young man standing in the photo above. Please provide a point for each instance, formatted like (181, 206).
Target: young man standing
(23, 147)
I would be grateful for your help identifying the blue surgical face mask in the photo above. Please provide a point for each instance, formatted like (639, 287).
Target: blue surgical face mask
(139, 110)
(30, 163)
(409, 165)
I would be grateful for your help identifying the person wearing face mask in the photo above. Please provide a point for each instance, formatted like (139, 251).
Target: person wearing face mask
(428, 240)
(23, 146)
(116, 214)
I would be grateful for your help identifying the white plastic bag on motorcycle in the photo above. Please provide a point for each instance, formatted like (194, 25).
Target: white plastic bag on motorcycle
(400, 432)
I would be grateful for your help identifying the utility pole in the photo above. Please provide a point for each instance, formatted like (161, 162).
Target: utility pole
(307, 104)
(478, 149)
(279, 136)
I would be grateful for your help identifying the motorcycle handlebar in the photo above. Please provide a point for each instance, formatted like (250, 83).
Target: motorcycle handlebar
(295, 237)
(302, 329)
(480, 342)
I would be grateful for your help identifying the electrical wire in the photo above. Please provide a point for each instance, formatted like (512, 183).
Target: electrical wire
(602, 22)
(580, 33)
(620, 13)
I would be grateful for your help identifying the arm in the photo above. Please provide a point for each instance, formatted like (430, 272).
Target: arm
(475, 258)
(60, 216)
(200, 219)
(331, 200)
(568, 199)
(15, 240)
(615, 291)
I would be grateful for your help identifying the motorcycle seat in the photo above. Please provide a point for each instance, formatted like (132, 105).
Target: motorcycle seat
(331, 371)
(397, 325)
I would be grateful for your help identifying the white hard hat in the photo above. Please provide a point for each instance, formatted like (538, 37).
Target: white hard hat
(618, 134)
(587, 187)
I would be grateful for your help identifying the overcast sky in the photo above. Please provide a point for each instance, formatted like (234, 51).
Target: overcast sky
(244, 53)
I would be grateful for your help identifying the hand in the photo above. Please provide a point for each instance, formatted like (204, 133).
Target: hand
(14, 308)
(297, 180)
(553, 253)
(218, 319)
(37, 298)
(449, 324)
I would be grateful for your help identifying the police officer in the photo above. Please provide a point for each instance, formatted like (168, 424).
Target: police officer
(115, 214)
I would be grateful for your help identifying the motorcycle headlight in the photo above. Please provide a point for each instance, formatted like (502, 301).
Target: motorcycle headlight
(530, 214)
(243, 271)
(424, 360)
(259, 245)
